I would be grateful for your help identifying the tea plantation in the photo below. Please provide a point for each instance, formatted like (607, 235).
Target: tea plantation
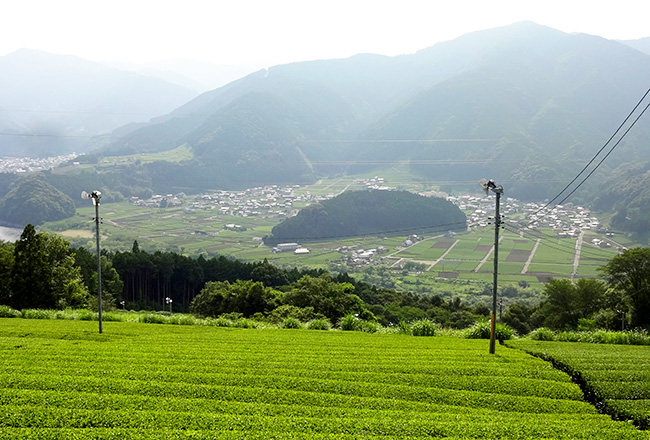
(615, 377)
(63, 380)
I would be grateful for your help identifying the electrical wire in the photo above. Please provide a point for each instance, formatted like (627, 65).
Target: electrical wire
(598, 153)
(544, 239)
(607, 155)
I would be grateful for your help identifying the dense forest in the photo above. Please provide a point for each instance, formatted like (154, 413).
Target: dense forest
(356, 213)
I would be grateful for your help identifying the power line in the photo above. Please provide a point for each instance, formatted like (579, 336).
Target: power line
(607, 155)
(598, 153)
(589, 252)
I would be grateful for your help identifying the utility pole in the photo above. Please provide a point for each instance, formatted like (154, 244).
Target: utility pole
(489, 185)
(96, 195)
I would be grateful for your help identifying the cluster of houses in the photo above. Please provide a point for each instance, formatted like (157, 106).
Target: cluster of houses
(357, 257)
(274, 201)
(271, 201)
(28, 164)
(567, 221)
(376, 183)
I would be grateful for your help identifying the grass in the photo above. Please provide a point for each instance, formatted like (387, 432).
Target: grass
(61, 379)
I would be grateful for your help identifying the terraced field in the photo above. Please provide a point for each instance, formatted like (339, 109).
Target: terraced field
(60, 379)
(616, 376)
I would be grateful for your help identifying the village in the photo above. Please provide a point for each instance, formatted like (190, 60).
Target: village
(275, 201)
(21, 165)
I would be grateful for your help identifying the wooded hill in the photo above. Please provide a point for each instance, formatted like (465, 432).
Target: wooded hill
(355, 213)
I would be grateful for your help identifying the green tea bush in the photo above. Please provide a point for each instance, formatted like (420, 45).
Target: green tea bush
(8, 312)
(481, 330)
(423, 327)
(291, 323)
(319, 324)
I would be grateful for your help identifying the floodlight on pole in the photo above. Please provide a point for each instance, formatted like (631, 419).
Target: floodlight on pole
(489, 185)
(95, 196)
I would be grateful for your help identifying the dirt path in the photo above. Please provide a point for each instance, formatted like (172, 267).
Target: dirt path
(530, 257)
(576, 256)
(486, 256)
(442, 257)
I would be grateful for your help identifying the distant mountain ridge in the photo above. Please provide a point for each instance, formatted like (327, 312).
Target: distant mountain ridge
(525, 105)
(522, 104)
(52, 104)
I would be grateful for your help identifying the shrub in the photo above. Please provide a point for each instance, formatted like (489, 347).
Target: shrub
(403, 328)
(369, 326)
(481, 330)
(8, 312)
(423, 327)
(87, 315)
(153, 318)
(350, 323)
(113, 316)
(585, 324)
(245, 323)
(279, 314)
(182, 320)
(291, 323)
(319, 324)
(218, 322)
(39, 314)
(639, 337)
(542, 334)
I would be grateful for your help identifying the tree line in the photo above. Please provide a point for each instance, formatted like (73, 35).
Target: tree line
(618, 301)
(44, 271)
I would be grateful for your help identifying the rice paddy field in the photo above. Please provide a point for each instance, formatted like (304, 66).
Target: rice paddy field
(63, 380)
(534, 257)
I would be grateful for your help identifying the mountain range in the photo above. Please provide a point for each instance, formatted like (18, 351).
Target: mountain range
(525, 105)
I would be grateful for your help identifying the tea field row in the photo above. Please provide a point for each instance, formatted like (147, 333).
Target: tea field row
(60, 379)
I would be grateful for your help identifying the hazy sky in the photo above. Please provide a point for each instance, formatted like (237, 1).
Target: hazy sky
(267, 32)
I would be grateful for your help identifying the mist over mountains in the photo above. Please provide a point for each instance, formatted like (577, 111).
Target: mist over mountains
(525, 105)
(53, 104)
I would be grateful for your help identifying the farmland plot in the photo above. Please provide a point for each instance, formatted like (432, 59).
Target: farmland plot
(60, 379)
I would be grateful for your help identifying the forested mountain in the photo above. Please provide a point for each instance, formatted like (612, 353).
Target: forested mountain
(52, 104)
(523, 104)
(356, 213)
